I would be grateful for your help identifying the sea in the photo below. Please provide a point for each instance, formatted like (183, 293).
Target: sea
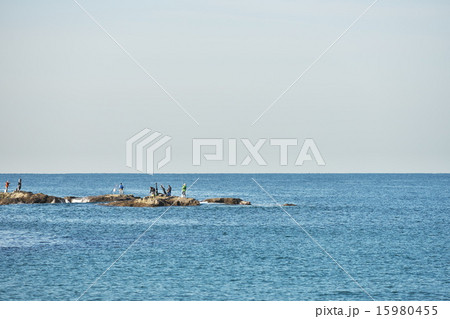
(349, 237)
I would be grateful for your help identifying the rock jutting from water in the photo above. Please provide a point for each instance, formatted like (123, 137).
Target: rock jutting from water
(100, 198)
(156, 201)
(21, 197)
(227, 201)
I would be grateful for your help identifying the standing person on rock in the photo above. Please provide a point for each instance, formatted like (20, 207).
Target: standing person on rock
(163, 189)
(121, 189)
(19, 185)
(183, 190)
(6, 186)
(169, 191)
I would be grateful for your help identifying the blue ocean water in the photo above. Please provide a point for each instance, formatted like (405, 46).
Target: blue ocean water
(390, 232)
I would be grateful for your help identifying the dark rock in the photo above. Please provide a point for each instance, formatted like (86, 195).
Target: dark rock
(156, 201)
(227, 201)
(288, 204)
(20, 197)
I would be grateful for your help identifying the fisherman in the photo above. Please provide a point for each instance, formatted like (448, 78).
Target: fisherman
(169, 191)
(121, 189)
(183, 190)
(6, 186)
(156, 189)
(19, 185)
(163, 189)
(152, 191)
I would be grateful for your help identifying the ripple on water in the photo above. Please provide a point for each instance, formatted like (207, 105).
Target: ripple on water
(26, 239)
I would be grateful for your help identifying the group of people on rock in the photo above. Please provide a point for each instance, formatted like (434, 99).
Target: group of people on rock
(19, 185)
(154, 191)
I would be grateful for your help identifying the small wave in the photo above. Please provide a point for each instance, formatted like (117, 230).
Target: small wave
(25, 239)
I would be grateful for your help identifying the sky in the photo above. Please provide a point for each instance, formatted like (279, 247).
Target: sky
(377, 101)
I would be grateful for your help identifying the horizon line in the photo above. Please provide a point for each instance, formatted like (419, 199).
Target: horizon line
(254, 173)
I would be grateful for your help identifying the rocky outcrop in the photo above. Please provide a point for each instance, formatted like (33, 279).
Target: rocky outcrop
(28, 198)
(113, 200)
(289, 204)
(100, 198)
(156, 201)
(227, 201)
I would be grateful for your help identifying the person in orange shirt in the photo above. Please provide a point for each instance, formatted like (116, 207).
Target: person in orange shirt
(6, 186)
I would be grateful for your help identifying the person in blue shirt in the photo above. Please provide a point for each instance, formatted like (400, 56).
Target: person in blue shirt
(121, 189)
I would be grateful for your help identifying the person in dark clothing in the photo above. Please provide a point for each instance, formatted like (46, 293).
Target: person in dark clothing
(19, 185)
(163, 189)
(156, 189)
(152, 191)
(169, 191)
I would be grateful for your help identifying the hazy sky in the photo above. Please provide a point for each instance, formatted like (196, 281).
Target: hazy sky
(378, 101)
